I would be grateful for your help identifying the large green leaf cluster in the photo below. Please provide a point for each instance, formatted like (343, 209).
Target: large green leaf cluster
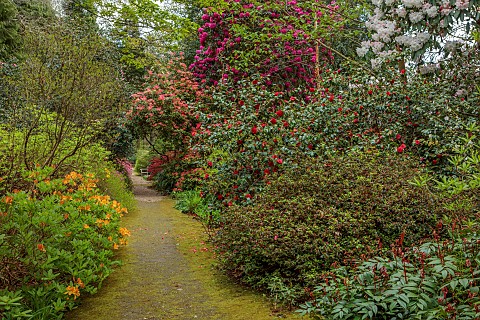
(436, 280)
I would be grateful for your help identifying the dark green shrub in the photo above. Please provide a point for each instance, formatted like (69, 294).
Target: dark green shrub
(327, 212)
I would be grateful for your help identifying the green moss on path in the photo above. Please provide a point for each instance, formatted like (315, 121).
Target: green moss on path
(167, 272)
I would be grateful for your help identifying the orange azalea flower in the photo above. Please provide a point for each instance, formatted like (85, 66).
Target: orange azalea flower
(85, 207)
(41, 247)
(110, 238)
(124, 232)
(80, 283)
(73, 291)
(8, 199)
(123, 242)
(86, 226)
(115, 246)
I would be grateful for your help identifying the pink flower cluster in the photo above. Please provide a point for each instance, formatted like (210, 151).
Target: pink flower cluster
(269, 38)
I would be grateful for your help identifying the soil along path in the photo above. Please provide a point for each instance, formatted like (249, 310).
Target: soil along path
(167, 272)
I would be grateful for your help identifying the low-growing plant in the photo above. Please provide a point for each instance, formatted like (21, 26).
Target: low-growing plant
(436, 280)
(56, 243)
(188, 201)
(192, 202)
(328, 212)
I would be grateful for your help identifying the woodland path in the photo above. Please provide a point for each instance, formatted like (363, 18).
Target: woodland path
(167, 272)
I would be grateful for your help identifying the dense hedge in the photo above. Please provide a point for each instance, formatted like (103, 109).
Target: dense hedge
(326, 212)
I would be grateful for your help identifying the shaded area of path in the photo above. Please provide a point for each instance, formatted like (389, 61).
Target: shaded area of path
(167, 272)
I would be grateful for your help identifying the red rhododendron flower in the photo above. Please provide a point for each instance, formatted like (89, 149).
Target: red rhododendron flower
(398, 136)
(401, 148)
(254, 130)
(279, 113)
(280, 161)
(209, 163)
(355, 120)
(417, 142)
(273, 121)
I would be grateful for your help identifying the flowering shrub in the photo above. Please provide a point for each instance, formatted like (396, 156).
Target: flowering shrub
(162, 108)
(245, 135)
(282, 40)
(325, 213)
(413, 26)
(56, 243)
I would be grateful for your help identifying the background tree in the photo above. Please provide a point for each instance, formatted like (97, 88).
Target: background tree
(9, 27)
(60, 98)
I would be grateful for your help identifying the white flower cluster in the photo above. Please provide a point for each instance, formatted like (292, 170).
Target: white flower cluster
(462, 4)
(416, 17)
(390, 17)
(451, 46)
(384, 29)
(413, 3)
(414, 42)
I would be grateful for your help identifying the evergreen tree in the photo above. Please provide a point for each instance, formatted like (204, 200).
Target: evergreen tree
(9, 27)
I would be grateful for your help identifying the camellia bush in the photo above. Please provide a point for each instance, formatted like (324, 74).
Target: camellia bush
(247, 132)
(57, 242)
(323, 214)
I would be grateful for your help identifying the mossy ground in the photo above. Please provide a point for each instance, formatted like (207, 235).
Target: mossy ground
(168, 273)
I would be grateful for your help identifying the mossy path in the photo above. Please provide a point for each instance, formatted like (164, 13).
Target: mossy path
(167, 272)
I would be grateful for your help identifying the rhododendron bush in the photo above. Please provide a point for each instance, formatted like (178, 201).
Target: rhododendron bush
(163, 112)
(284, 40)
(419, 27)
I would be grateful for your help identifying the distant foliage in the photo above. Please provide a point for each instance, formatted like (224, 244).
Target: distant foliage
(9, 29)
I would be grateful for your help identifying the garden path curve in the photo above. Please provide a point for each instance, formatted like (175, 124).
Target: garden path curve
(167, 272)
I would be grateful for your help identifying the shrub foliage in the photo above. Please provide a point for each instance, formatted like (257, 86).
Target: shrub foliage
(56, 243)
(327, 212)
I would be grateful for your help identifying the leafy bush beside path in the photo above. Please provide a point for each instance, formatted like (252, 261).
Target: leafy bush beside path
(56, 243)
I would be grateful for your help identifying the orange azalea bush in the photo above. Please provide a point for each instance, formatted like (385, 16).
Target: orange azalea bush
(57, 242)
